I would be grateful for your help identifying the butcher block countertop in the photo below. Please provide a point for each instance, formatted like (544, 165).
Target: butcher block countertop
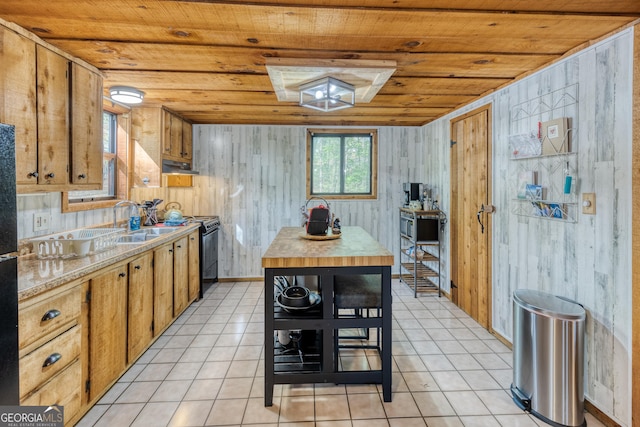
(354, 248)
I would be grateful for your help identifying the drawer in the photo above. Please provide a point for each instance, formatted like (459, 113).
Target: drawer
(65, 389)
(40, 365)
(44, 318)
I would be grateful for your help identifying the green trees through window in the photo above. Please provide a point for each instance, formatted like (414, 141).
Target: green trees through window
(342, 164)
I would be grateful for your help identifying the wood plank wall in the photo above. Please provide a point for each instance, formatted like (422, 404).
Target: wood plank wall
(635, 254)
(590, 260)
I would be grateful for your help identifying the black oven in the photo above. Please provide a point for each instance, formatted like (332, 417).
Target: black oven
(209, 228)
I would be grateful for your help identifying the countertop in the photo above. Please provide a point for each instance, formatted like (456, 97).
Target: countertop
(38, 275)
(355, 247)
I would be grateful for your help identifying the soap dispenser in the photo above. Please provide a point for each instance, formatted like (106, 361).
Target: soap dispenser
(134, 218)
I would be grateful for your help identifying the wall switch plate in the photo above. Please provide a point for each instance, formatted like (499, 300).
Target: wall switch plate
(41, 221)
(589, 203)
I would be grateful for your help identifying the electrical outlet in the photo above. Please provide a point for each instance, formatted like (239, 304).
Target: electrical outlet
(589, 203)
(41, 222)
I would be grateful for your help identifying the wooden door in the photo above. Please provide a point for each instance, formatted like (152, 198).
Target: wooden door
(470, 228)
(194, 265)
(53, 117)
(180, 275)
(86, 129)
(108, 328)
(140, 313)
(18, 100)
(162, 288)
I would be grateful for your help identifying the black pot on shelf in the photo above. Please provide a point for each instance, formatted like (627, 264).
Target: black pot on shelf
(295, 296)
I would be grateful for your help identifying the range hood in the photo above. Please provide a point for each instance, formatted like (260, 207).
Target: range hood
(172, 166)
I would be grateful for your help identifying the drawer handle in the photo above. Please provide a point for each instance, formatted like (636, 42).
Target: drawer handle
(51, 314)
(50, 175)
(51, 359)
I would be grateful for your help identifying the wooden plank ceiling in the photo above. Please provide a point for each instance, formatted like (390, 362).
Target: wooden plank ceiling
(206, 59)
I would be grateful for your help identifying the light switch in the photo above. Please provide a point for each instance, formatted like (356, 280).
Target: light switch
(589, 203)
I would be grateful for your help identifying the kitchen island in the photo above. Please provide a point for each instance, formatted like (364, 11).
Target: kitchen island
(354, 253)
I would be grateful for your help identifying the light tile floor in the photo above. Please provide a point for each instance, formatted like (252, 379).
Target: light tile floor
(207, 370)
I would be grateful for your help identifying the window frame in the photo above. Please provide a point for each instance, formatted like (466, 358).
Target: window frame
(373, 167)
(123, 129)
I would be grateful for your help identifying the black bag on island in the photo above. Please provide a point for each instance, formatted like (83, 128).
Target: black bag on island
(318, 222)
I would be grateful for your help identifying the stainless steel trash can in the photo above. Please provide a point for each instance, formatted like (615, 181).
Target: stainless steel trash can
(548, 357)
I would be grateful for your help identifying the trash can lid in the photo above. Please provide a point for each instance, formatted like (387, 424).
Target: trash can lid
(549, 304)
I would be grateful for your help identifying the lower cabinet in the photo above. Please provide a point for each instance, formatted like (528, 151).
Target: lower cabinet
(77, 339)
(107, 328)
(50, 337)
(180, 275)
(140, 306)
(194, 265)
(162, 288)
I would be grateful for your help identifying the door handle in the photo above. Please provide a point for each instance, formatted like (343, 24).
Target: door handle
(484, 209)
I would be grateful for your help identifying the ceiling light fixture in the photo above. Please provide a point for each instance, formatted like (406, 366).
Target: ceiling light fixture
(327, 94)
(126, 94)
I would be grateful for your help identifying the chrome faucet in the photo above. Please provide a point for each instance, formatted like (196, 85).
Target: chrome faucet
(122, 203)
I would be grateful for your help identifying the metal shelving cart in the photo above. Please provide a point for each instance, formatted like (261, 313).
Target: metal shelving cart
(420, 235)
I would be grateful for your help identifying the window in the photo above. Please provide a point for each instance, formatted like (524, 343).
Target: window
(342, 164)
(114, 144)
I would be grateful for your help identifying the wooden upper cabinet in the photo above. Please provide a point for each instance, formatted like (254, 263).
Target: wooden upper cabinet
(18, 100)
(166, 133)
(187, 140)
(86, 128)
(55, 103)
(173, 137)
(146, 129)
(53, 116)
(176, 136)
(157, 134)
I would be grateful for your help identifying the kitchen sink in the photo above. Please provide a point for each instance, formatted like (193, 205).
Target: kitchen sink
(139, 237)
(158, 230)
(144, 234)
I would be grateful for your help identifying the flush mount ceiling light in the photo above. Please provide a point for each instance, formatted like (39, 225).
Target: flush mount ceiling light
(126, 94)
(289, 75)
(327, 94)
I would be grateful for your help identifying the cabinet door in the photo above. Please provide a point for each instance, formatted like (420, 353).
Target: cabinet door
(53, 117)
(86, 133)
(176, 136)
(180, 275)
(18, 100)
(140, 313)
(162, 288)
(108, 328)
(166, 133)
(187, 140)
(146, 125)
(194, 265)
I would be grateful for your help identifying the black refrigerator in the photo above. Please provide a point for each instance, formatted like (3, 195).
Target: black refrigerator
(9, 382)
